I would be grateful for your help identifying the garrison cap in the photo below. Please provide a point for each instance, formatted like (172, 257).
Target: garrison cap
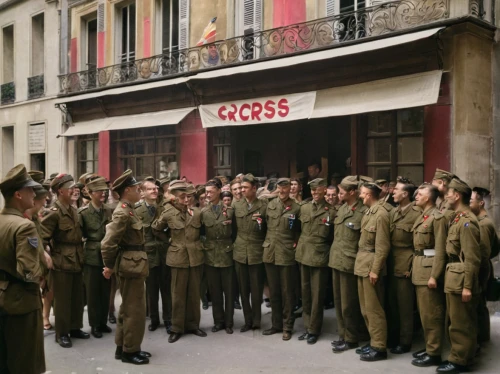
(151, 179)
(17, 178)
(364, 179)
(200, 190)
(443, 174)
(459, 185)
(318, 182)
(125, 180)
(98, 184)
(85, 177)
(371, 184)
(178, 185)
(392, 184)
(37, 176)
(350, 181)
(53, 175)
(249, 178)
(481, 190)
(62, 181)
(381, 182)
(40, 193)
(46, 184)
(283, 182)
(190, 189)
(164, 180)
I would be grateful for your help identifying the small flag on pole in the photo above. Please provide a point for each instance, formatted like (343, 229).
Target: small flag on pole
(209, 33)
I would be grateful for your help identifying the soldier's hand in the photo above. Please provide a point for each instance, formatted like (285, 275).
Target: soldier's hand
(432, 283)
(107, 273)
(373, 278)
(48, 260)
(466, 295)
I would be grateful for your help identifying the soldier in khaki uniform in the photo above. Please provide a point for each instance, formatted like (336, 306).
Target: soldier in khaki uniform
(374, 247)
(218, 245)
(461, 282)
(283, 230)
(249, 218)
(489, 249)
(441, 180)
(21, 324)
(350, 323)
(185, 257)
(63, 234)
(93, 220)
(402, 292)
(313, 250)
(158, 281)
(123, 252)
(429, 239)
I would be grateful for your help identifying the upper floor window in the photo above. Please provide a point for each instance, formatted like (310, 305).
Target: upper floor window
(248, 16)
(167, 26)
(126, 27)
(37, 44)
(8, 54)
(89, 42)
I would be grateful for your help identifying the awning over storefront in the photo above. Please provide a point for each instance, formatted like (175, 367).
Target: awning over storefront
(386, 94)
(167, 117)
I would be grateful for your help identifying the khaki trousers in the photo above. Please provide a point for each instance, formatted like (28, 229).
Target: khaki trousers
(371, 300)
(281, 281)
(401, 303)
(186, 312)
(251, 282)
(98, 290)
(350, 323)
(431, 307)
(68, 301)
(130, 324)
(158, 283)
(313, 297)
(220, 285)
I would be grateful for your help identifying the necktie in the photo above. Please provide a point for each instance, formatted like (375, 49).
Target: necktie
(152, 210)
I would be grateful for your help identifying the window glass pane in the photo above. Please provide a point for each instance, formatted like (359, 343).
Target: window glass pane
(145, 166)
(223, 156)
(410, 120)
(96, 150)
(132, 31)
(411, 149)
(226, 172)
(125, 134)
(89, 151)
(380, 123)
(165, 130)
(128, 163)
(145, 132)
(415, 173)
(379, 150)
(83, 150)
(144, 147)
(166, 167)
(380, 172)
(166, 145)
(124, 32)
(126, 148)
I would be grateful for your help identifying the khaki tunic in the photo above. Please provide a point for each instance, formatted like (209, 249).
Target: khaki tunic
(20, 300)
(249, 234)
(122, 249)
(283, 230)
(155, 248)
(218, 244)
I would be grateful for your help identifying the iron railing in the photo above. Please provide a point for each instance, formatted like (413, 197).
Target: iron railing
(36, 87)
(367, 22)
(8, 93)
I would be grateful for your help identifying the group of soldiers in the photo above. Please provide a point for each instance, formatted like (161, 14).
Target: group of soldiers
(433, 246)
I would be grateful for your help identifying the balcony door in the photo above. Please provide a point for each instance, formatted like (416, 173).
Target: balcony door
(126, 32)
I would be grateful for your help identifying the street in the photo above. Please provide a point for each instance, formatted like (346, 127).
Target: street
(248, 352)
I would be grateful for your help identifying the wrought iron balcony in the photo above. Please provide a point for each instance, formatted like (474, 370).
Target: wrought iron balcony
(8, 93)
(36, 87)
(335, 30)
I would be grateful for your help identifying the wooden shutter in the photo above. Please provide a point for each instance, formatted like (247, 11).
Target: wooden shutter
(252, 15)
(257, 15)
(332, 7)
(184, 24)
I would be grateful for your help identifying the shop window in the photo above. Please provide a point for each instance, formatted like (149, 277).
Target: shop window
(149, 151)
(88, 154)
(222, 151)
(395, 145)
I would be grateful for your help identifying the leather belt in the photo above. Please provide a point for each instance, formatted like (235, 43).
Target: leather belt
(431, 252)
(4, 276)
(453, 258)
(132, 247)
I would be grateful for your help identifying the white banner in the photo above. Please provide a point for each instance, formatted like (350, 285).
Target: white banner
(281, 108)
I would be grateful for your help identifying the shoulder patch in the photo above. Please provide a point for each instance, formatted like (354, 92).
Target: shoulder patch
(466, 224)
(33, 242)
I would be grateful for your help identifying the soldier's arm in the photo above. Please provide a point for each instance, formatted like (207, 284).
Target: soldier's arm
(114, 233)
(440, 234)
(485, 242)
(81, 221)
(28, 265)
(469, 242)
(49, 224)
(160, 226)
(382, 243)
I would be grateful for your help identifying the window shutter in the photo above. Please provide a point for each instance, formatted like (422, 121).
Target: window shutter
(257, 16)
(101, 25)
(252, 15)
(332, 7)
(184, 24)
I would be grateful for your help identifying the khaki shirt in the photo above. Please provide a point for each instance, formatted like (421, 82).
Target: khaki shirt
(20, 268)
(346, 236)
(250, 234)
(62, 231)
(218, 244)
(155, 247)
(429, 232)
(488, 244)
(185, 248)
(401, 221)
(313, 248)
(41, 249)
(123, 245)
(93, 223)
(464, 254)
(283, 230)
(374, 242)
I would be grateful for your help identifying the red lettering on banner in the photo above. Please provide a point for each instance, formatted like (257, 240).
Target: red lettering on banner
(269, 107)
(242, 108)
(285, 109)
(256, 111)
(221, 114)
(232, 114)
